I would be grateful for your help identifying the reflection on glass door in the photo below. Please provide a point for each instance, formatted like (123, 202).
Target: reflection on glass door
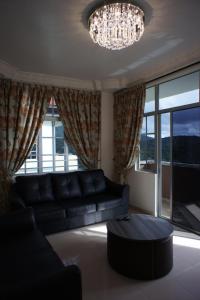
(165, 165)
(186, 168)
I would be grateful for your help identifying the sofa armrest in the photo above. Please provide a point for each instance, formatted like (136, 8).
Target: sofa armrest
(121, 190)
(19, 221)
(15, 200)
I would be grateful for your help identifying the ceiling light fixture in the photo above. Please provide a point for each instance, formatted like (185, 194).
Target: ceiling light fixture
(116, 25)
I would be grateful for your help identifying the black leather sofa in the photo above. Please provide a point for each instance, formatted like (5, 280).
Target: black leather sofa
(29, 267)
(63, 201)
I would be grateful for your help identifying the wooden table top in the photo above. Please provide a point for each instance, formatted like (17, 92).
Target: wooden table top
(140, 227)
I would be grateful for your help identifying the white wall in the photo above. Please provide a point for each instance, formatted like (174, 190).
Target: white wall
(143, 187)
(107, 133)
(143, 190)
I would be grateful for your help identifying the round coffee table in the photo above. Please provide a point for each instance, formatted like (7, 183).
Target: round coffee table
(140, 246)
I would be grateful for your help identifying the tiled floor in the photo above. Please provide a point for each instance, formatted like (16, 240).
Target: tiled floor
(87, 248)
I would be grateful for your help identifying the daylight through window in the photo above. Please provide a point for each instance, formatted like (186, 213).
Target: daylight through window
(50, 153)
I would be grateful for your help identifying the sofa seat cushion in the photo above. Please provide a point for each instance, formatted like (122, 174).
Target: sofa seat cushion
(77, 207)
(45, 212)
(66, 186)
(105, 201)
(35, 188)
(92, 182)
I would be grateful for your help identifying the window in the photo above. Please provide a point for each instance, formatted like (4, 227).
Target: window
(147, 157)
(160, 100)
(50, 153)
(147, 144)
(150, 100)
(180, 91)
(31, 163)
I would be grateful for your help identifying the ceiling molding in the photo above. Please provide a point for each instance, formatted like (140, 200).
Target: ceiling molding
(6, 69)
(11, 72)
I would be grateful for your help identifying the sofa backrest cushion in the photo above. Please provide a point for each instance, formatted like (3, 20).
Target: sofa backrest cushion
(92, 182)
(35, 188)
(66, 186)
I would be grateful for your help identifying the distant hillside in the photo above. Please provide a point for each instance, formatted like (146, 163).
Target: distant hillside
(186, 149)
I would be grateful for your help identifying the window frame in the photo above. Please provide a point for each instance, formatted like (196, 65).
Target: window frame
(39, 170)
(157, 115)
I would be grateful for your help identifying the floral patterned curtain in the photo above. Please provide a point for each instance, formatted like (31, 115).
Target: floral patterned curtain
(22, 109)
(80, 112)
(128, 115)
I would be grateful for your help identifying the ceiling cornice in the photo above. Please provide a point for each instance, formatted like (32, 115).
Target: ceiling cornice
(11, 72)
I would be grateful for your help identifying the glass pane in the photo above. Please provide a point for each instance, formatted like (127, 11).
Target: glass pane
(150, 124)
(147, 145)
(71, 150)
(186, 168)
(143, 143)
(165, 165)
(33, 153)
(47, 146)
(142, 158)
(72, 157)
(47, 129)
(144, 125)
(56, 111)
(180, 91)
(150, 100)
(45, 170)
(21, 171)
(34, 148)
(165, 136)
(31, 164)
(59, 163)
(59, 131)
(47, 164)
(150, 152)
(47, 157)
(50, 111)
(31, 170)
(59, 169)
(59, 145)
(186, 136)
(59, 157)
(72, 164)
(73, 168)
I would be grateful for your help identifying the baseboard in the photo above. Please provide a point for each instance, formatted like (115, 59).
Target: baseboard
(139, 210)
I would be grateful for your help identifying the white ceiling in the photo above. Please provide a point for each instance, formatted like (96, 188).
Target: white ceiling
(51, 37)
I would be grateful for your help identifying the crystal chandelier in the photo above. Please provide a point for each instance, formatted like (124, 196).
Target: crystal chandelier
(116, 25)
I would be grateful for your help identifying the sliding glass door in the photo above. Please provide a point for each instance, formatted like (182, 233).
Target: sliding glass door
(179, 167)
(170, 146)
(186, 168)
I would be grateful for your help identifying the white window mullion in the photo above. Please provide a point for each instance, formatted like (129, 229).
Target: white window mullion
(66, 158)
(54, 145)
(40, 160)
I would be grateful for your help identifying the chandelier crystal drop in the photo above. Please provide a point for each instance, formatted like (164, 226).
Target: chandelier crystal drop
(117, 25)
